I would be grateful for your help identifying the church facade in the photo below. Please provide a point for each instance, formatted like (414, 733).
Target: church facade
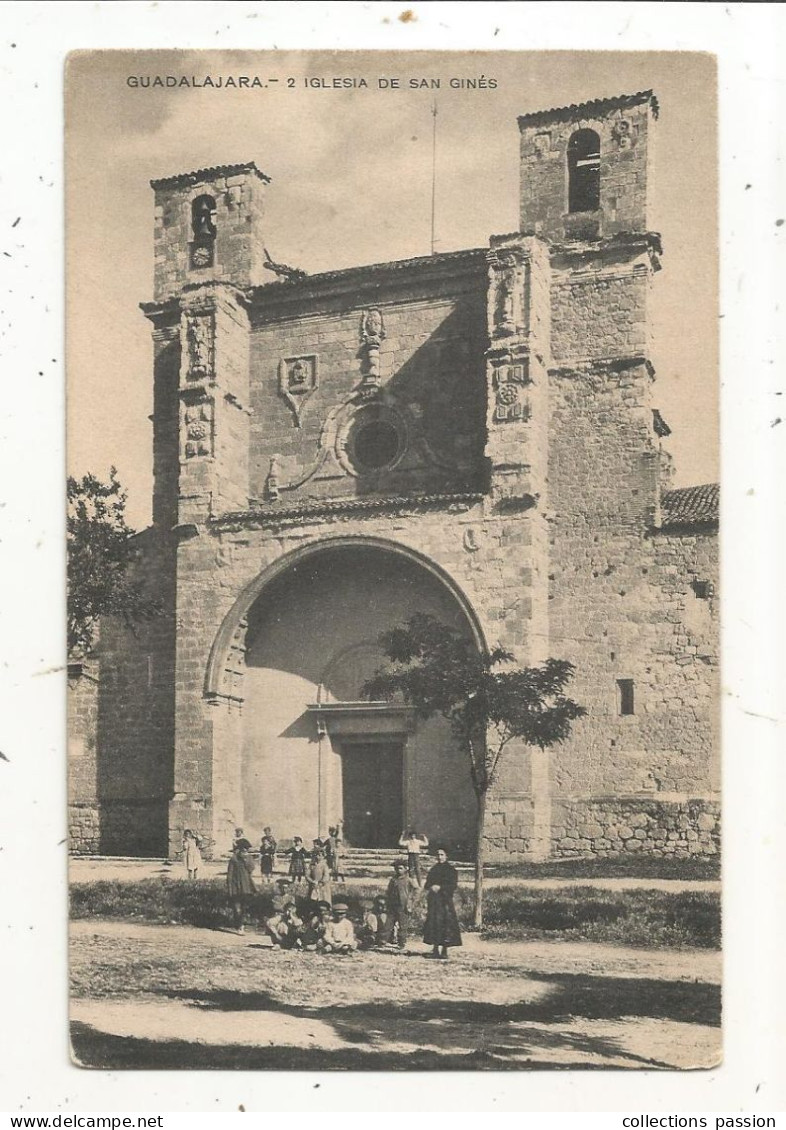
(475, 435)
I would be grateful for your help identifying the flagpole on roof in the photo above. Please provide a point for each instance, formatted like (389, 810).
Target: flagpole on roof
(433, 174)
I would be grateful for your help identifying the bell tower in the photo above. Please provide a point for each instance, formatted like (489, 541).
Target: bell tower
(584, 169)
(209, 251)
(208, 228)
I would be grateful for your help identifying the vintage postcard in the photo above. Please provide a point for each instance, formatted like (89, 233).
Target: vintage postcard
(393, 560)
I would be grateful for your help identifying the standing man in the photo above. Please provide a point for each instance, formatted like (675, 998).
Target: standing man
(413, 843)
(401, 889)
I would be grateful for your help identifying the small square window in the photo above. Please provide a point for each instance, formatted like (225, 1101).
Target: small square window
(625, 697)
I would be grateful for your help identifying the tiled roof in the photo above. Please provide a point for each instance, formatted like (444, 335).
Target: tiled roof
(475, 255)
(594, 109)
(690, 506)
(208, 174)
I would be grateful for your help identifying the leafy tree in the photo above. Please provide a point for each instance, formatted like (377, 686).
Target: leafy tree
(437, 670)
(100, 561)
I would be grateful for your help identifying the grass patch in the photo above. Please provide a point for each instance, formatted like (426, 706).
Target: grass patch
(650, 918)
(706, 868)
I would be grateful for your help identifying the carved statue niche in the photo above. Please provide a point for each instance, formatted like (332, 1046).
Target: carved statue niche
(200, 347)
(507, 306)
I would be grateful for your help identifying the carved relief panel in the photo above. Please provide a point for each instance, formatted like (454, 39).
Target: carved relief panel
(510, 402)
(196, 429)
(298, 378)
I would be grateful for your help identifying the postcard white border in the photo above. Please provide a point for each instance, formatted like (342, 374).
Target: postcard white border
(749, 41)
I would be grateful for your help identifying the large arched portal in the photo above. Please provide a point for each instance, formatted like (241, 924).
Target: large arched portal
(312, 752)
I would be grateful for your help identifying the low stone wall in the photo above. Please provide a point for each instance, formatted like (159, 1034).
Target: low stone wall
(609, 826)
(84, 829)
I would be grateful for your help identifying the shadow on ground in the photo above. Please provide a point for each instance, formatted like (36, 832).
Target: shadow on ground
(380, 1035)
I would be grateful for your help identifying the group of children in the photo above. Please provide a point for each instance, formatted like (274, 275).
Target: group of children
(305, 915)
(300, 858)
(317, 926)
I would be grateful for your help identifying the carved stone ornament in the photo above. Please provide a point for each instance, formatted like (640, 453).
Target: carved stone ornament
(372, 327)
(199, 336)
(471, 540)
(542, 144)
(198, 429)
(510, 401)
(273, 477)
(297, 379)
(622, 133)
(372, 334)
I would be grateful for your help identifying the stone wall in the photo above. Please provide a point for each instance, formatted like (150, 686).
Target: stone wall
(625, 604)
(121, 725)
(613, 826)
(600, 307)
(84, 830)
(429, 363)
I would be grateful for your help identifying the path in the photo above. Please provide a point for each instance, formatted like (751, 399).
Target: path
(85, 870)
(179, 996)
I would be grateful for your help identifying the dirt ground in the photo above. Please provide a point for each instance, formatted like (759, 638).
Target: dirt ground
(181, 997)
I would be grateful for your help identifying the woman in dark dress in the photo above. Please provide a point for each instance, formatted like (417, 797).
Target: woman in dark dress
(442, 928)
(240, 884)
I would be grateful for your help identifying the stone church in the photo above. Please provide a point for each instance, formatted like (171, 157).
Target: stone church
(473, 434)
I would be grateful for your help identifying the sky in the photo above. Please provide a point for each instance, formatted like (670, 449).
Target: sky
(351, 174)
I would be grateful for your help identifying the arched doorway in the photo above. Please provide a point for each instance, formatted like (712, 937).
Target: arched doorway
(312, 752)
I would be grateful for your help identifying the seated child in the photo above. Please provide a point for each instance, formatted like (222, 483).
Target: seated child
(314, 932)
(285, 928)
(340, 933)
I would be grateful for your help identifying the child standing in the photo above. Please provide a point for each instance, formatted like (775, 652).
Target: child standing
(333, 846)
(401, 889)
(319, 878)
(267, 853)
(413, 843)
(298, 861)
(192, 853)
